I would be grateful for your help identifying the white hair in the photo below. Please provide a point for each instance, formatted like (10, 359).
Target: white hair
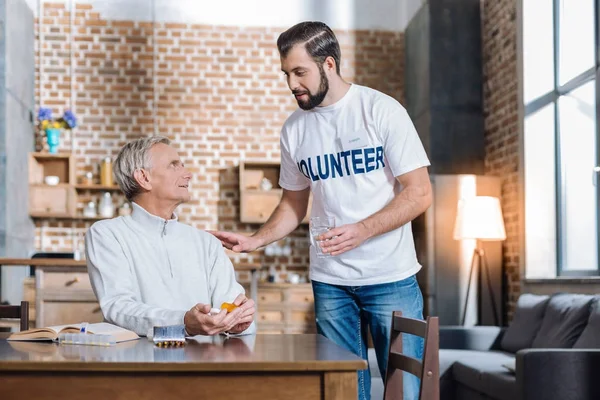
(133, 156)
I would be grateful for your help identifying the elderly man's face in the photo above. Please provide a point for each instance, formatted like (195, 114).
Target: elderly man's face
(168, 176)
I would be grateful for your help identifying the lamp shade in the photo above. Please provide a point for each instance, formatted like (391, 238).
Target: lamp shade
(479, 217)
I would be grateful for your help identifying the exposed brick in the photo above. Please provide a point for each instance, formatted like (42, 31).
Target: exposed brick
(220, 96)
(499, 40)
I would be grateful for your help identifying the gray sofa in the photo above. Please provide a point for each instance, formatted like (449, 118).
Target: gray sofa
(553, 343)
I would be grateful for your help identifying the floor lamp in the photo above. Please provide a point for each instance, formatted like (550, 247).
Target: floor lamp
(479, 218)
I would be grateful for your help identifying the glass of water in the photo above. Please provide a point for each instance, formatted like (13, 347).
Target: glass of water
(318, 226)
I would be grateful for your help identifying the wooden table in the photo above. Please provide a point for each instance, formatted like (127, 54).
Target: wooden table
(250, 367)
(69, 262)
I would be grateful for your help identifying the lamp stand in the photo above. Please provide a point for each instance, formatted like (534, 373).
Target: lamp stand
(479, 263)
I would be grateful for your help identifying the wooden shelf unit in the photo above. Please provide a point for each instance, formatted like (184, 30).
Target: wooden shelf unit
(257, 205)
(58, 201)
(96, 187)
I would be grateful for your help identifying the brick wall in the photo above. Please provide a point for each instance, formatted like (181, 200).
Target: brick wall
(499, 30)
(216, 91)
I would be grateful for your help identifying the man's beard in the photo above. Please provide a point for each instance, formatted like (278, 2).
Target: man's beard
(316, 99)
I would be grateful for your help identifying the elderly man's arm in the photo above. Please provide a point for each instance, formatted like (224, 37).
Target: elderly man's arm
(225, 288)
(114, 285)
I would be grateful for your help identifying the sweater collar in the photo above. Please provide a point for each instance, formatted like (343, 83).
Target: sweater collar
(151, 222)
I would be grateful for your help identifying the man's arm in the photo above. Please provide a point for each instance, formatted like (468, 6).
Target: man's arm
(285, 218)
(224, 288)
(414, 198)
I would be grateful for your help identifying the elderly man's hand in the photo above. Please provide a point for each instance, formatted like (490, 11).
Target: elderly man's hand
(248, 305)
(198, 321)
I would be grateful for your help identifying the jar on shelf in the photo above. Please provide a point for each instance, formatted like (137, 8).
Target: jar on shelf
(107, 209)
(106, 172)
(125, 209)
(90, 210)
(88, 178)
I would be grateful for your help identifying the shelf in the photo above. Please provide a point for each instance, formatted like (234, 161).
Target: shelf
(83, 186)
(45, 185)
(48, 156)
(64, 217)
(78, 186)
(271, 192)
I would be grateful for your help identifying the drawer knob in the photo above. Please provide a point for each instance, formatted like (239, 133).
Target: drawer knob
(72, 281)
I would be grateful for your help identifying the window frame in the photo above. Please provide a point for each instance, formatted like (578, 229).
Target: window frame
(552, 98)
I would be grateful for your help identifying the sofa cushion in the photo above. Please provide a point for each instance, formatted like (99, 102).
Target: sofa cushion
(485, 374)
(526, 322)
(449, 357)
(590, 337)
(565, 318)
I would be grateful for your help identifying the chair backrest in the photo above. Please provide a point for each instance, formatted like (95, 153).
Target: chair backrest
(427, 370)
(21, 312)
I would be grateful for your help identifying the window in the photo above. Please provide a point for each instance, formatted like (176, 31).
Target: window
(560, 137)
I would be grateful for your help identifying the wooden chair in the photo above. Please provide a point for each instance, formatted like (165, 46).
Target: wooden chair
(428, 370)
(21, 312)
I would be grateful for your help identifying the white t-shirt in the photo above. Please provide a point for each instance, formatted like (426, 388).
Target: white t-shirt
(349, 154)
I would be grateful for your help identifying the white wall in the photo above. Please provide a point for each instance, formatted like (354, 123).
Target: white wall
(392, 15)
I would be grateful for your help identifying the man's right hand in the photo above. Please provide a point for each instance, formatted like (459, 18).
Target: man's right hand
(236, 242)
(198, 321)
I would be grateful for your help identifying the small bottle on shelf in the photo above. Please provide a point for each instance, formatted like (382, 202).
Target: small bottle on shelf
(90, 210)
(106, 173)
(125, 209)
(107, 209)
(88, 179)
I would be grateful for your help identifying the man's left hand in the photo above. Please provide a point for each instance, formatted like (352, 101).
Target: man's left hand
(341, 239)
(248, 306)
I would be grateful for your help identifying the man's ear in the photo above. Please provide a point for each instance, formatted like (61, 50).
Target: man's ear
(330, 64)
(142, 178)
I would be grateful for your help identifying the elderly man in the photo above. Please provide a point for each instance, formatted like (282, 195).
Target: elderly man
(148, 269)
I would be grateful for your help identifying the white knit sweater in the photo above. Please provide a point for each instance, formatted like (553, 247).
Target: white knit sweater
(147, 271)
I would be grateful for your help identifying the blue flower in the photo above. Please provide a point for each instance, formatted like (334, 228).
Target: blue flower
(69, 119)
(45, 114)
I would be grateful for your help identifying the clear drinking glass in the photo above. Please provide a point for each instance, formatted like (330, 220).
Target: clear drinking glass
(318, 226)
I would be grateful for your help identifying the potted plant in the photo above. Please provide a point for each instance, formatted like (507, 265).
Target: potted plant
(53, 127)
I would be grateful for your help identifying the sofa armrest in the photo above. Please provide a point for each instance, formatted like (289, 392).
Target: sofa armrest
(558, 374)
(470, 338)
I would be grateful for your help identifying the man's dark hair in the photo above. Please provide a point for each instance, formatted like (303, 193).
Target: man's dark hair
(319, 41)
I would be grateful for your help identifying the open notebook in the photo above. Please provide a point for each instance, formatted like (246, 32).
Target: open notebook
(52, 332)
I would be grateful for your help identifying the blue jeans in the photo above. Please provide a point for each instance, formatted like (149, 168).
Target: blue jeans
(343, 314)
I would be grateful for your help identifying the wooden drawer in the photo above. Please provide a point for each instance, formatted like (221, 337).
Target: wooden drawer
(270, 316)
(296, 329)
(62, 313)
(299, 297)
(265, 327)
(65, 281)
(270, 296)
(299, 317)
(58, 200)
